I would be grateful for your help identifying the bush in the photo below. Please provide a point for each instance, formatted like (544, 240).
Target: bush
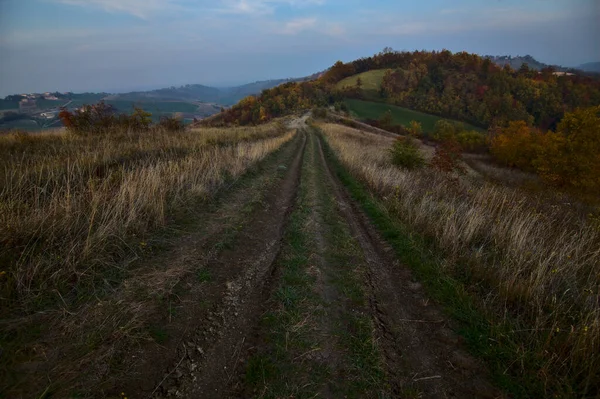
(171, 124)
(517, 145)
(103, 119)
(90, 119)
(405, 153)
(387, 120)
(447, 157)
(569, 158)
(469, 140)
(320, 113)
(140, 120)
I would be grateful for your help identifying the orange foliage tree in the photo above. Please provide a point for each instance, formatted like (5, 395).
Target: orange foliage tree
(571, 156)
(517, 145)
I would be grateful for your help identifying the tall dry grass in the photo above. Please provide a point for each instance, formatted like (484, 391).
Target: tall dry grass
(533, 264)
(70, 205)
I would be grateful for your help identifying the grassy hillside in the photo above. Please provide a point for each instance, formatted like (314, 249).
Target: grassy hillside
(371, 82)
(532, 328)
(590, 67)
(5, 104)
(401, 116)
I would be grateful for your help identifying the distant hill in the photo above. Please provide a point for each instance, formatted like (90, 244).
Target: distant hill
(590, 67)
(207, 94)
(183, 93)
(516, 62)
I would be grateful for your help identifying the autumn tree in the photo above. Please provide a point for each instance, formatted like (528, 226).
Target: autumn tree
(415, 128)
(517, 145)
(386, 121)
(570, 157)
(359, 82)
(447, 157)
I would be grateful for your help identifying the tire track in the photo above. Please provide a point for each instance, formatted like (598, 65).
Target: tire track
(422, 354)
(210, 354)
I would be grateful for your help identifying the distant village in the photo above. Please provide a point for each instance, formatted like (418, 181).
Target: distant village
(28, 102)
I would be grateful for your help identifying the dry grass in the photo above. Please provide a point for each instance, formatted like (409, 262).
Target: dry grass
(71, 205)
(539, 265)
(73, 210)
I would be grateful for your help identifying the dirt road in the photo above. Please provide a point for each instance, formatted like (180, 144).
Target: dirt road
(308, 301)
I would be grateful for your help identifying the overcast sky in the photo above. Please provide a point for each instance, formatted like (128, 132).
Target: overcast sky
(120, 45)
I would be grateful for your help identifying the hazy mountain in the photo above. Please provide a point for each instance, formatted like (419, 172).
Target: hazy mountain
(516, 62)
(197, 92)
(590, 67)
(183, 93)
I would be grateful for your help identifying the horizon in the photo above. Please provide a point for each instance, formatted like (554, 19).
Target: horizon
(128, 45)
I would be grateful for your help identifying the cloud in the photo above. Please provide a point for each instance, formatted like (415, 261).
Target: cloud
(296, 26)
(143, 9)
(449, 21)
(262, 7)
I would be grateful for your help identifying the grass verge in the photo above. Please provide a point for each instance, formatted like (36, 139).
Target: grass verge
(499, 341)
(400, 116)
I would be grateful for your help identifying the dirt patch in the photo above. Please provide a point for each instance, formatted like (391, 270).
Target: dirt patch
(423, 355)
(211, 351)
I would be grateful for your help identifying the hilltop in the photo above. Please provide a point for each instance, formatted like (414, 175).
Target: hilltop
(590, 67)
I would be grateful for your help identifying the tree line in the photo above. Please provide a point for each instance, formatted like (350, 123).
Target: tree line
(540, 121)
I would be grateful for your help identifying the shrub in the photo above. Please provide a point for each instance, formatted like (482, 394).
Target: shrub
(320, 113)
(90, 119)
(171, 124)
(140, 120)
(469, 140)
(405, 153)
(517, 145)
(447, 157)
(569, 157)
(386, 121)
(102, 119)
(415, 128)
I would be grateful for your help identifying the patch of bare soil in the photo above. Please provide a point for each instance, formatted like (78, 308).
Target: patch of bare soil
(211, 346)
(422, 353)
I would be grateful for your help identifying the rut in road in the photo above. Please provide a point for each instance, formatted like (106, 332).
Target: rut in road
(344, 319)
(209, 352)
(322, 309)
(423, 356)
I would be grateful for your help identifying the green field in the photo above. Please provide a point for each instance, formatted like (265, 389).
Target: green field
(4, 105)
(23, 124)
(371, 82)
(79, 100)
(401, 116)
(46, 104)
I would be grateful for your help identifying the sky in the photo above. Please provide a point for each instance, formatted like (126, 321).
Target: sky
(123, 45)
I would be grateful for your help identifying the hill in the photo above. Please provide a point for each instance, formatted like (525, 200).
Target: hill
(464, 87)
(516, 62)
(200, 93)
(368, 110)
(370, 82)
(590, 67)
